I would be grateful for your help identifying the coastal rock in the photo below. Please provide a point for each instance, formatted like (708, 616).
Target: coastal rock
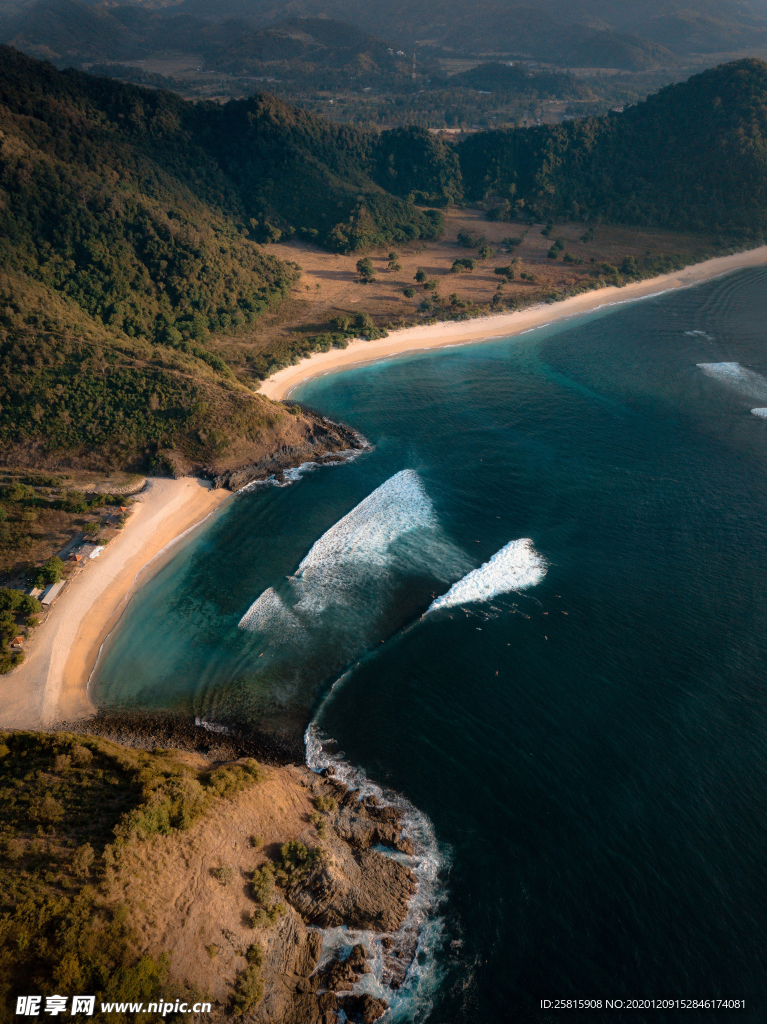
(359, 889)
(363, 1009)
(342, 975)
(363, 824)
(315, 439)
(147, 730)
(399, 956)
(291, 954)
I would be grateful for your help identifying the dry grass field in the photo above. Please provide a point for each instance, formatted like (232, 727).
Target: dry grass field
(329, 286)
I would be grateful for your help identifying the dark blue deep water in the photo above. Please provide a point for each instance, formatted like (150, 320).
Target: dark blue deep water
(596, 780)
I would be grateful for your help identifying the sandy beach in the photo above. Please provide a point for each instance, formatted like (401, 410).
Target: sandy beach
(51, 685)
(463, 332)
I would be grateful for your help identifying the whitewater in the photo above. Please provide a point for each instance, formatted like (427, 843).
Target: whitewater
(393, 531)
(744, 381)
(516, 566)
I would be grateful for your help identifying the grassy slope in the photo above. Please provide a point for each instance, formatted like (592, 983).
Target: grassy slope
(73, 809)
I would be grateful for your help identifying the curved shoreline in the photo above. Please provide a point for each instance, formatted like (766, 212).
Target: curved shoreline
(51, 685)
(464, 332)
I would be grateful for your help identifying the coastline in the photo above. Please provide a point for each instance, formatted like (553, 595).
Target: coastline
(51, 684)
(463, 332)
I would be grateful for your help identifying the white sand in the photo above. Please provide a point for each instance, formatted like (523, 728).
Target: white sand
(464, 332)
(51, 685)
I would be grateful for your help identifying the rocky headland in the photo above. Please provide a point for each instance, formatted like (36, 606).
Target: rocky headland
(233, 891)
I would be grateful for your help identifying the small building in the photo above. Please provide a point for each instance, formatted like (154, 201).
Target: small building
(51, 592)
(35, 591)
(92, 550)
(17, 643)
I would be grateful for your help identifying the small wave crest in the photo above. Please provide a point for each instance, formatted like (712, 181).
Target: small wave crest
(291, 476)
(270, 614)
(761, 413)
(407, 974)
(515, 567)
(744, 381)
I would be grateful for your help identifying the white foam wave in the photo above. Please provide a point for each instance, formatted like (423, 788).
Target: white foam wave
(515, 567)
(422, 931)
(399, 505)
(270, 614)
(761, 413)
(290, 476)
(744, 381)
(353, 553)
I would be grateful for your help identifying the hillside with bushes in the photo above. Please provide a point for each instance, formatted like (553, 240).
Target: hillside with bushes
(692, 156)
(95, 836)
(130, 223)
(135, 283)
(593, 33)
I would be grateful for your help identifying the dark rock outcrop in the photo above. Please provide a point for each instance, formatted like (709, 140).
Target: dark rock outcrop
(322, 441)
(363, 1009)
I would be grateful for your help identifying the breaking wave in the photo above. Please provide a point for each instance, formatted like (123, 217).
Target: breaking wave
(761, 413)
(270, 614)
(515, 567)
(406, 974)
(392, 532)
(396, 508)
(744, 381)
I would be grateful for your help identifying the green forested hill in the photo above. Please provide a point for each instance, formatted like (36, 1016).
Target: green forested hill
(129, 223)
(692, 156)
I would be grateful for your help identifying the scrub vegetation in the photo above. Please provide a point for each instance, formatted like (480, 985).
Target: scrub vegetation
(72, 808)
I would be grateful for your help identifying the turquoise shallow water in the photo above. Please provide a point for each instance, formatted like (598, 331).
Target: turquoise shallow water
(596, 780)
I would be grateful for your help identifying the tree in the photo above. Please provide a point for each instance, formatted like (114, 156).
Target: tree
(363, 323)
(409, 293)
(485, 251)
(507, 272)
(50, 571)
(17, 601)
(365, 270)
(421, 275)
(468, 240)
(629, 267)
(464, 264)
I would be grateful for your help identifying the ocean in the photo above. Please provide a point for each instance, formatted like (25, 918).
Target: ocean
(576, 727)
